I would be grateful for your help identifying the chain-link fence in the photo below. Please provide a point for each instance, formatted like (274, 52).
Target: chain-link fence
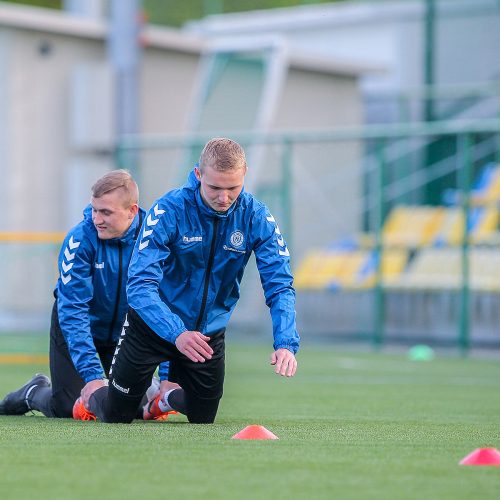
(386, 243)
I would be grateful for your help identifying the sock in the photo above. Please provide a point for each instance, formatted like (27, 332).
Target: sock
(175, 399)
(39, 399)
(163, 402)
(97, 403)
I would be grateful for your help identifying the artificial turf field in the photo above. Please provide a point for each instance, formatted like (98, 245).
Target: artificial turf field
(350, 425)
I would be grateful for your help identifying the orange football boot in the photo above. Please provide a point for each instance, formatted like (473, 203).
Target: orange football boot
(81, 413)
(151, 411)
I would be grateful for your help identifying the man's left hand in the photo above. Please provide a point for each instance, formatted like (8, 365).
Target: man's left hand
(284, 362)
(90, 388)
(166, 385)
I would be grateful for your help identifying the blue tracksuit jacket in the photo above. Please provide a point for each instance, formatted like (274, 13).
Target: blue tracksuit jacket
(90, 291)
(188, 262)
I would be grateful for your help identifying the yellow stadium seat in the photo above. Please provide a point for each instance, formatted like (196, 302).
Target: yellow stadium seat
(487, 227)
(412, 226)
(394, 261)
(329, 269)
(491, 192)
(348, 269)
(318, 269)
(441, 269)
(434, 268)
(485, 269)
(485, 222)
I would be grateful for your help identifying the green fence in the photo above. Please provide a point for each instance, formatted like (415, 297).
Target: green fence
(335, 195)
(335, 191)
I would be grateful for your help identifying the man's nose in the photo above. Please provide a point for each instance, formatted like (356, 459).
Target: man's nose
(97, 218)
(223, 197)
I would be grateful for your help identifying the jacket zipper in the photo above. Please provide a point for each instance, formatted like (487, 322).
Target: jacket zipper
(207, 276)
(118, 293)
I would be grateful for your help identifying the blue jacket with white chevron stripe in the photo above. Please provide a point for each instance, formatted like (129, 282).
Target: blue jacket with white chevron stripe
(90, 291)
(169, 285)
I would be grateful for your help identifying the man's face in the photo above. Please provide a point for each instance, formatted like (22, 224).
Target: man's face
(111, 216)
(219, 189)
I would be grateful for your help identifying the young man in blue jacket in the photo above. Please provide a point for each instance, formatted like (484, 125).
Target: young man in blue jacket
(184, 282)
(91, 302)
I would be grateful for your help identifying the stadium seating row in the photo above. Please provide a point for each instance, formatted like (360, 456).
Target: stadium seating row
(420, 247)
(430, 268)
(421, 226)
(344, 268)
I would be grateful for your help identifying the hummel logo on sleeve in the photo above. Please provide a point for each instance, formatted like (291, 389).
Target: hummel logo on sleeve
(148, 227)
(69, 256)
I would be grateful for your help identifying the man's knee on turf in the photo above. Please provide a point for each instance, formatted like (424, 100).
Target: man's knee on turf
(202, 411)
(114, 406)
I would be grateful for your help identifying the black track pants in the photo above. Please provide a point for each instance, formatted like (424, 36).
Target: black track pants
(58, 401)
(139, 352)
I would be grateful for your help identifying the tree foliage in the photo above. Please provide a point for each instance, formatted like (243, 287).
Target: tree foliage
(176, 13)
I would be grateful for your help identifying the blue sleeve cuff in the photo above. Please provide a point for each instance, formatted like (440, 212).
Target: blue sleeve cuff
(292, 347)
(93, 376)
(163, 370)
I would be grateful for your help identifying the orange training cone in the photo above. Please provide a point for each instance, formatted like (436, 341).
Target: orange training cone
(482, 456)
(254, 432)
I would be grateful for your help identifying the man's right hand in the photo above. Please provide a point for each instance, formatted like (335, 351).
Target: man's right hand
(90, 388)
(195, 346)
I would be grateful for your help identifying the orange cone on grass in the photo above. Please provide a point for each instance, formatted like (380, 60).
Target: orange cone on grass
(482, 456)
(255, 432)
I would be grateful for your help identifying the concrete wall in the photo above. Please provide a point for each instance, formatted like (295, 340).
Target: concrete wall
(57, 137)
(36, 125)
(167, 84)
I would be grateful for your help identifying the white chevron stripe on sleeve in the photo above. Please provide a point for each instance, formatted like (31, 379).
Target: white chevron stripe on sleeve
(283, 251)
(73, 244)
(158, 211)
(66, 267)
(65, 279)
(150, 222)
(69, 256)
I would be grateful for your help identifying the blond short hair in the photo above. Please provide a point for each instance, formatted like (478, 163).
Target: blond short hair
(117, 179)
(222, 154)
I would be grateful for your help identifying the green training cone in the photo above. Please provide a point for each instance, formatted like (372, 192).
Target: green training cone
(421, 353)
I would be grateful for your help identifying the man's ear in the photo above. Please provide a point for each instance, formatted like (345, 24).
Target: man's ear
(134, 209)
(197, 173)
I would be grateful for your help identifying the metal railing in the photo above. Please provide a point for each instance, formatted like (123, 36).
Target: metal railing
(322, 186)
(316, 168)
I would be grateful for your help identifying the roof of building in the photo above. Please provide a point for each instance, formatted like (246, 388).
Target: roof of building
(62, 23)
(331, 15)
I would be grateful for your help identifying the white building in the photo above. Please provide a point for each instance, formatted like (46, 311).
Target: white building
(386, 34)
(57, 123)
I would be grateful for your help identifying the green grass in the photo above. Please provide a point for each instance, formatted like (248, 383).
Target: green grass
(351, 425)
